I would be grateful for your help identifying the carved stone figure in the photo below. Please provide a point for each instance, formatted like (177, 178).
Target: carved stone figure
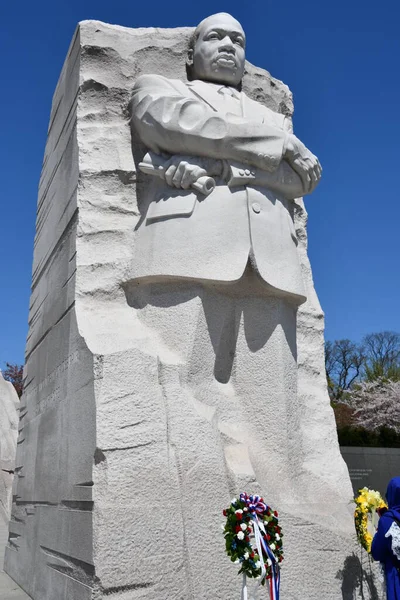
(209, 127)
(169, 365)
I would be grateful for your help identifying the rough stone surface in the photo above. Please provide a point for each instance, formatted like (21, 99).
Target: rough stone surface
(9, 590)
(121, 397)
(9, 409)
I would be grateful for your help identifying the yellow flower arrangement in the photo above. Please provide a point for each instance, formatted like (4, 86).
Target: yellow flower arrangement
(367, 503)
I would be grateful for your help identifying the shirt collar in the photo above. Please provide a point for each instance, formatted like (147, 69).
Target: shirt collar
(231, 91)
(221, 89)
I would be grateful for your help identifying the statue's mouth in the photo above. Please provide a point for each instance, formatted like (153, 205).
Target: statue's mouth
(226, 60)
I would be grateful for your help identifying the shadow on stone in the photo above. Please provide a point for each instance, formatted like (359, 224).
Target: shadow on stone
(223, 307)
(356, 576)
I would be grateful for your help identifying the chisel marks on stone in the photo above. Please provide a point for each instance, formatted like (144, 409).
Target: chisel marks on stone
(79, 570)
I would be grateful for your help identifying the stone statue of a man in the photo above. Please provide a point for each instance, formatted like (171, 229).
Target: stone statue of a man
(209, 127)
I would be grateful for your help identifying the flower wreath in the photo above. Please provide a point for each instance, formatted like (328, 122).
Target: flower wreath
(250, 517)
(368, 504)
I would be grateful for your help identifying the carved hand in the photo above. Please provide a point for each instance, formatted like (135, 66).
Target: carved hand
(183, 171)
(303, 162)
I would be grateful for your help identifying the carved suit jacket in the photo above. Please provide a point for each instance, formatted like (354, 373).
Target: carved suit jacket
(187, 235)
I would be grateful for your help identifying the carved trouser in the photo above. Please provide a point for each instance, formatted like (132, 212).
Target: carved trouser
(234, 346)
(215, 412)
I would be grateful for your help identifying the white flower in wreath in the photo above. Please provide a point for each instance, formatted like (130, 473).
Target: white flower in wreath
(277, 537)
(243, 526)
(234, 500)
(272, 546)
(269, 562)
(246, 556)
(240, 535)
(258, 564)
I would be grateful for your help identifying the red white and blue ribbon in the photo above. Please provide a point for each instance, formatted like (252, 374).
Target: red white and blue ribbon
(256, 507)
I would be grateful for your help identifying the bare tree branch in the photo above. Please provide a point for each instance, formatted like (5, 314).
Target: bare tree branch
(344, 361)
(383, 355)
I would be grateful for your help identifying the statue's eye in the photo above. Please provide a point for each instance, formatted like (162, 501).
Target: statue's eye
(240, 42)
(213, 36)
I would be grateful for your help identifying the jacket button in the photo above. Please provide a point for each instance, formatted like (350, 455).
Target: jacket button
(241, 173)
(256, 207)
(247, 172)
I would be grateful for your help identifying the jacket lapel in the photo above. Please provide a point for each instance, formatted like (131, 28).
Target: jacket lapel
(252, 110)
(208, 93)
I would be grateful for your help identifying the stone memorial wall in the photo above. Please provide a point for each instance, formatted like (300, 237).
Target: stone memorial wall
(371, 467)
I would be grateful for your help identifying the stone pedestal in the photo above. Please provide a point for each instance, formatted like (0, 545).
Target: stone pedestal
(145, 410)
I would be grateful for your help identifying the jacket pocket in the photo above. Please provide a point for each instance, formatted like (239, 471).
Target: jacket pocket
(172, 203)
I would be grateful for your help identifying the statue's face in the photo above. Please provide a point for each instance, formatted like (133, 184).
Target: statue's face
(219, 51)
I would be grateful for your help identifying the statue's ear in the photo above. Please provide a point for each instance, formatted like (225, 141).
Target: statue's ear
(189, 60)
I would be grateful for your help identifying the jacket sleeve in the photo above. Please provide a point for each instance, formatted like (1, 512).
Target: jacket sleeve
(380, 548)
(284, 180)
(290, 181)
(168, 121)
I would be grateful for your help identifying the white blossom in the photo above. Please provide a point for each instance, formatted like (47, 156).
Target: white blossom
(243, 526)
(277, 537)
(272, 546)
(258, 564)
(246, 555)
(375, 404)
(269, 562)
(240, 535)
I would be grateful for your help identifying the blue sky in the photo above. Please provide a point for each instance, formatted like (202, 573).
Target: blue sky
(341, 60)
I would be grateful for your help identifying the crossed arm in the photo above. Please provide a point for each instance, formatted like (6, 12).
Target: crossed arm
(183, 171)
(167, 121)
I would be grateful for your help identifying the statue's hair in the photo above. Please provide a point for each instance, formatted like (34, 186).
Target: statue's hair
(196, 33)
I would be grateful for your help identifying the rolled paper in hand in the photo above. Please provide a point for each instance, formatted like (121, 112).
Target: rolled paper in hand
(154, 164)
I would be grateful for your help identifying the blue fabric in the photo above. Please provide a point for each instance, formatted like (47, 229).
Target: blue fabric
(393, 498)
(382, 547)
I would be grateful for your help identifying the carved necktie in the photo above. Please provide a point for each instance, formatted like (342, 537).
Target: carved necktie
(231, 101)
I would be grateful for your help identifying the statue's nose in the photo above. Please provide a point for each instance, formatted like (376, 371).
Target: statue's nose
(227, 44)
